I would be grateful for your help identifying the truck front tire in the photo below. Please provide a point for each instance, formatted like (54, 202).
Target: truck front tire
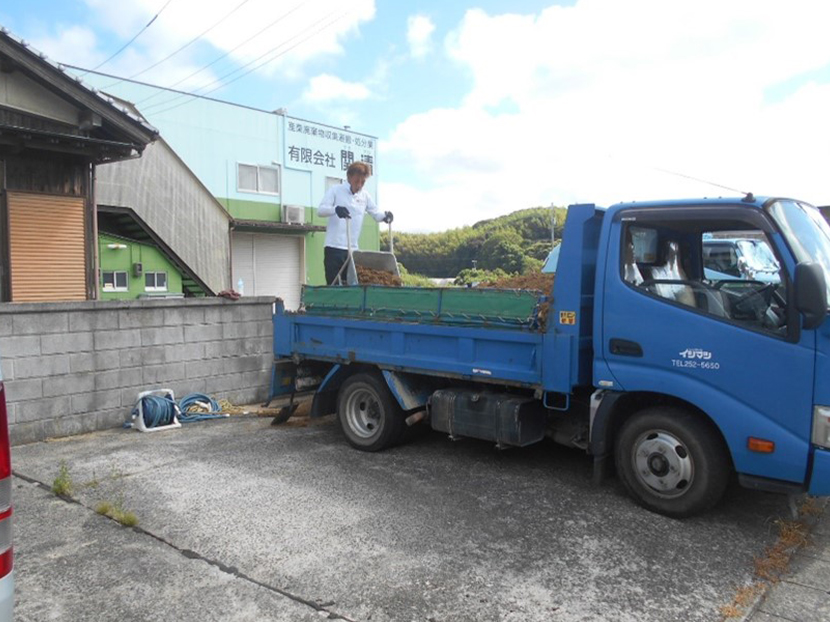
(369, 416)
(672, 462)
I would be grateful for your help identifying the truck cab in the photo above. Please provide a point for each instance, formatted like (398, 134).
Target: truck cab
(743, 360)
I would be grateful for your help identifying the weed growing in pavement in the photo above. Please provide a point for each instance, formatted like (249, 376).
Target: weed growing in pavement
(117, 513)
(743, 599)
(811, 507)
(115, 509)
(62, 486)
(93, 483)
(776, 559)
(792, 535)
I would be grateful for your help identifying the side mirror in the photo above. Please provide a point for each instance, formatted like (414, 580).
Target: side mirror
(810, 293)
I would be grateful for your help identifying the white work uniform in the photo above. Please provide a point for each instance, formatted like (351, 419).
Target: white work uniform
(357, 204)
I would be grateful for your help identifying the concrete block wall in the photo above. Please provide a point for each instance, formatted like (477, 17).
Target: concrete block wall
(76, 367)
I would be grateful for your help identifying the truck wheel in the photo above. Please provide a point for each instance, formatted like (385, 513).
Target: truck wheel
(672, 462)
(369, 416)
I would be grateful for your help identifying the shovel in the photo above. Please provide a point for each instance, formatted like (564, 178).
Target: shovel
(379, 260)
(348, 265)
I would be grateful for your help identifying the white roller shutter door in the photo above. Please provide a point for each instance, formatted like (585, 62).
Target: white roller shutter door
(271, 264)
(243, 263)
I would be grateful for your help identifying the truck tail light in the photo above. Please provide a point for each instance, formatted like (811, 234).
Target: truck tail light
(6, 555)
(821, 426)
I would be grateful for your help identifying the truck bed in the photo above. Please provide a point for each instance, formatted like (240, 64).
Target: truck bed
(482, 334)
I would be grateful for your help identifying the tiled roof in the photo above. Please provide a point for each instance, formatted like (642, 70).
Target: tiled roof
(58, 67)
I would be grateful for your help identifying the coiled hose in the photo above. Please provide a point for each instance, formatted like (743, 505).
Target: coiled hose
(200, 399)
(159, 410)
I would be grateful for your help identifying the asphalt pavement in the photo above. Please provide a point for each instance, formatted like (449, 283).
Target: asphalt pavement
(243, 521)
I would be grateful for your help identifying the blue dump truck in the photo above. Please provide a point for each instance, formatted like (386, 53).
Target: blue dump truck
(675, 379)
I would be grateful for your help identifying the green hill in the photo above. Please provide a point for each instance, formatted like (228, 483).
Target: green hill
(515, 243)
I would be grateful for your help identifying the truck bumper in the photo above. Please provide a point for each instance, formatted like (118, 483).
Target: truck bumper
(820, 478)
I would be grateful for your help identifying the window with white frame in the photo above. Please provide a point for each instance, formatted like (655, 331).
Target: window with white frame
(114, 281)
(155, 281)
(332, 181)
(259, 179)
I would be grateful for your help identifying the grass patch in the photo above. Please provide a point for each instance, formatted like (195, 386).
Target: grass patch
(117, 513)
(63, 486)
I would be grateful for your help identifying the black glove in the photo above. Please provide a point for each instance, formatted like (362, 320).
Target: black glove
(388, 218)
(342, 212)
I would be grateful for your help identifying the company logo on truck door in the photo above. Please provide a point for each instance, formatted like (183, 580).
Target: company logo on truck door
(695, 358)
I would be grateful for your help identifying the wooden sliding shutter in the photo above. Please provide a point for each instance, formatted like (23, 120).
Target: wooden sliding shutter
(47, 244)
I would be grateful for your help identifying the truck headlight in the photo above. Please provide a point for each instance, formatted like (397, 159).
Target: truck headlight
(821, 426)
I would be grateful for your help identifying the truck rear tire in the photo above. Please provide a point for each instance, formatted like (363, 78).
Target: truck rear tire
(672, 462)
(369, 415)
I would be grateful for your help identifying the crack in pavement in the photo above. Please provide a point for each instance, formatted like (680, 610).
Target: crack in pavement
(189, 554)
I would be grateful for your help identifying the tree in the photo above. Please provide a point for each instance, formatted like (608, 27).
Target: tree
(515, 242)
(503, 250)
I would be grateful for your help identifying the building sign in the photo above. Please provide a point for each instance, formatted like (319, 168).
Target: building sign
(326, 149)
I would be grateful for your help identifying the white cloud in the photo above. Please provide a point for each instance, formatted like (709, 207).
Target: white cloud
(587, 103)
(292, 34)
(419, 29)
(73, 44)
(325, 88)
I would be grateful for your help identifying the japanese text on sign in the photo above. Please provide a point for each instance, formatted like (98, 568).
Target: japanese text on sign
(311, 146)
(310, 130)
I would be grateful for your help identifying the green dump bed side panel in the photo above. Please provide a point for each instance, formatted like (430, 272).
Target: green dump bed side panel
(502, 308)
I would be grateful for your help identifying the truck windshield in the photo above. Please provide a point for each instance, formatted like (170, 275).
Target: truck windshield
(758, 255)
(807, 233)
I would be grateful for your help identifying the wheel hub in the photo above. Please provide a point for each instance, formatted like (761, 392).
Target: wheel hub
(662, 462)
(658, 465)
(363, 413)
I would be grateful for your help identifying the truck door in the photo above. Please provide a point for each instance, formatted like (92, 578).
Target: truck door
(732, 347)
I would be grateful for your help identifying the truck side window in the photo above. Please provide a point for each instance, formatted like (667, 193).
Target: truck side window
(730, 274)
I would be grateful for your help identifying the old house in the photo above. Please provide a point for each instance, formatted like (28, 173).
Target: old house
(54, 131)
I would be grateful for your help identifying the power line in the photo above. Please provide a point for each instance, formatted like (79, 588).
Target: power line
(265, 62)
(192, 41)
(128, 43)
(245, 41)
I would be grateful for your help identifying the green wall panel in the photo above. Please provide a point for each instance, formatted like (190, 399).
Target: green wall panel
(122, 260)
(252, 210)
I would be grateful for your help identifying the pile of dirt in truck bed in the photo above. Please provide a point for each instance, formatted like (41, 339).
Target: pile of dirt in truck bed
(538, 281)
(367, 276)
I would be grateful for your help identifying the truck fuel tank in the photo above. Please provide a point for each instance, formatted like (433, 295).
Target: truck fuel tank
(507, 419)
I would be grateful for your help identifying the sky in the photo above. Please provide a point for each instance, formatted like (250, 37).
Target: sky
(483, 108)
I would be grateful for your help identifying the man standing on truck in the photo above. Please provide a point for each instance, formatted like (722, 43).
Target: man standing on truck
(346, 200)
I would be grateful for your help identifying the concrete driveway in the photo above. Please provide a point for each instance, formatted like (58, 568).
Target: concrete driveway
(240, 520)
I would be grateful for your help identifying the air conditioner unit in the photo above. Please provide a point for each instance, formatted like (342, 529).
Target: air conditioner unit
(293, 214)
(138, 269)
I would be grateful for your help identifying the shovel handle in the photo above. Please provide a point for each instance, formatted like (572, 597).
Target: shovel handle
(349, 236)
